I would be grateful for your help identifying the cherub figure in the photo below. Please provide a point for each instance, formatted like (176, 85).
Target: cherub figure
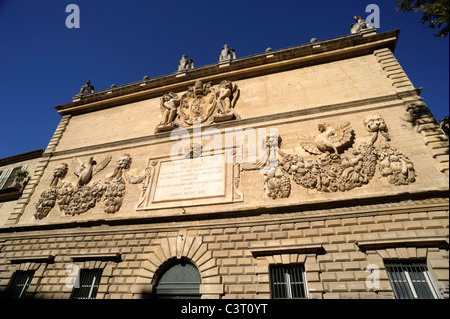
(122, 164)
(376, 125)
(169, 105)
(227, 96)
(58, 174)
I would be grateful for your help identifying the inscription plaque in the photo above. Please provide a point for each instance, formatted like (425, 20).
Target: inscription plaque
(190, 179)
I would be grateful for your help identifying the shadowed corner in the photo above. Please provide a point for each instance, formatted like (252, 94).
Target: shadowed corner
(146, 294)
(6, 294)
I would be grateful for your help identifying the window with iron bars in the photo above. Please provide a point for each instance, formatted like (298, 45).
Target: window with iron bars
(288, 282)
(19, 284)
(410, 279)
(89, 282)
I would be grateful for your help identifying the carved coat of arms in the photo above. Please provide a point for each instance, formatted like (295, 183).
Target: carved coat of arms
(202, 103)
(198, 104)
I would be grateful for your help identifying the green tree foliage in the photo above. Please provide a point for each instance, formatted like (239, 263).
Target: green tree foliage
(435, 13)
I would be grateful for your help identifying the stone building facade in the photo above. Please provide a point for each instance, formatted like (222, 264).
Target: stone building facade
(15, 173)
(315, 171)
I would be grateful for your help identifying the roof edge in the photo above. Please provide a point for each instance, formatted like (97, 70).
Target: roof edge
(21, 157)
(263, 63)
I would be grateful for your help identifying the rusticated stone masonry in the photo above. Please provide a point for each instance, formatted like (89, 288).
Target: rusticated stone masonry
(234, 256)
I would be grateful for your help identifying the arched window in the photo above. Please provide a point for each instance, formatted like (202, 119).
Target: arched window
(180, 280)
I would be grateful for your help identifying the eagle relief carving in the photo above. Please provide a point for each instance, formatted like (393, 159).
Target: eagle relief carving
(327, 170)
(329, 140)
(85, 171)
(86, 193)
(78, 199)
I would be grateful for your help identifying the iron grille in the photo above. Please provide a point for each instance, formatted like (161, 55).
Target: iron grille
(288, 282)
(19, 284)
(89, 283)
(410, 279)
(180, 281)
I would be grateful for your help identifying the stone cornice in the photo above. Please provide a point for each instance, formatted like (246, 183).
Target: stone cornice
(432, 241)
(260, 64)
(360, 207)
(32, 258)
(288, 249)
(114, 256)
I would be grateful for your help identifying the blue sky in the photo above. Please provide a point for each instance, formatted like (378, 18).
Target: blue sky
(44, 64)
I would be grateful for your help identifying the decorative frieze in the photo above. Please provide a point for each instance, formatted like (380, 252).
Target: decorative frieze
(78, 199)
(332, 172)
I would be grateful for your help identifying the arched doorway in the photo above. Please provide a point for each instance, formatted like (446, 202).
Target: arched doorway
(180, 280)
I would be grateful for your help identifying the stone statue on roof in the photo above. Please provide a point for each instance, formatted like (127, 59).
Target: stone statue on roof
(184, 64)
(226, 54)
(360, 25)
(87, 88)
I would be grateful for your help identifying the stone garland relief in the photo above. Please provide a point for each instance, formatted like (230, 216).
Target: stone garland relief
(78, 199)
(328, 171)
(325, 171)
(202, 103)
